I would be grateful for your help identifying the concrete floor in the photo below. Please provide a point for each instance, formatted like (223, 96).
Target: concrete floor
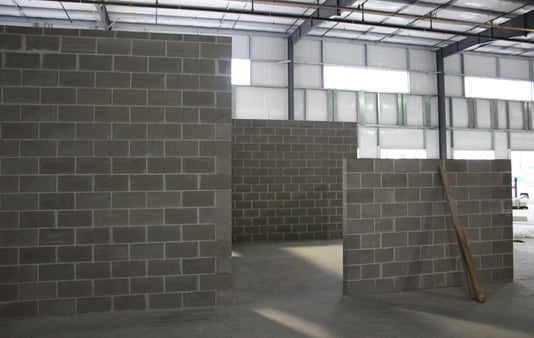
(293, 289)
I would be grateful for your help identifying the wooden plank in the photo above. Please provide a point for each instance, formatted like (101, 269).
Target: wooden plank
(473, 280)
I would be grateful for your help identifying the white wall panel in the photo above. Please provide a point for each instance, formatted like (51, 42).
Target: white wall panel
(343, 54)
(269, 48)
(522, 141)
(308, 51)
(514, 69)
(388, 109)
(346, 106)
(454, 85)
(478, 65)
(434, 118)
(472, 140)
(299, 105)
(516, 114)
(308, 76)
(370, 110)
(421, 83)
(316, 105)
(402, 138)
(453, 64)
(460, 115)
(261, 103)
(386, 57)
(422, 60)
(268, 73)
(367, 143)
(432, 144)
(483, 114)
(414, 110)
(240, 47)
(501, 145)
(501, 115)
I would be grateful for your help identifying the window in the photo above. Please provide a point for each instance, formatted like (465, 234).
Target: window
(498, 89)
(241, 72)
(373, 80)
(474, 155)
(396, 154)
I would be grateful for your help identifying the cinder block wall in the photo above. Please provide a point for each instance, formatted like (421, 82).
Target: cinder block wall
(287, 178)
(115, 187)
(397, 232)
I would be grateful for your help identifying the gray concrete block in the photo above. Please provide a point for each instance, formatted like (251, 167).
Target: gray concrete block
(171, 98)
(129, 131)
(37, 255)
(74, 289)
(18, 274)
(165, 301)
(93, 96)
(78, 45)
(10, 42)
(108, 287)
(165, 131)
(93, 236)
(114, 252)
(164, 267)
(113, 80)
(198, 198)
(198, 99)
(59, 61)
(75, 148)
(198, 265)
(353, 257)
(21, 95)
(383, 255)
(56, 130)
(75, 253)
(153, 81)
(360, 196)
(75, 183)
(129, 303)
(180, 81)
(9, 256)
(146, 182)
(39, 78)
(130, 64)
(164, 233)
(129, 235)
(75, 114)
(181, 283)
(92, 271)
(180, 250)
(186, 115)
(56, 272)
(93, 165)
(76, 79)
(147, 114)
(151, 48)
(146, 285)
(197, 66)
(110, 217)
(181, 216)
(221, 281)
(181, 148)
(111, 182)
(146, 148)
(128, 200)
(93, 304)
(114, 46)
(37, 219)
(18, 166)
(76, 218)
(394, 269)
(129, 97)
(18, 202)
(10, 77)
(164, 165)
(22, 60)
(128, 269)
(95, 62)
(56, 307)
(146, 251)
(60, 165)
(182, 49)
(146, 216)
(19, 130)
(165, 65)
(34, 291)
(198, 165)
(9, 148)
(111, 148)
(56, 236)
(129, 165)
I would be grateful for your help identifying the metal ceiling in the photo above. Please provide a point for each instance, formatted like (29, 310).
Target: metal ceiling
(489, 26)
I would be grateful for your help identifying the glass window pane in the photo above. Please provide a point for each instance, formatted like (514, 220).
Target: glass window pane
(474, 155)
(241, 72)
(374, 80)
(269, 74)
(498, 89)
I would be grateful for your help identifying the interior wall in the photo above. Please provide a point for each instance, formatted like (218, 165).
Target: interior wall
(115, 187)
(397, 233)
(287, 178)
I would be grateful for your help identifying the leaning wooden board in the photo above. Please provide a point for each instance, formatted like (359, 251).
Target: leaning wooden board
(473, 281)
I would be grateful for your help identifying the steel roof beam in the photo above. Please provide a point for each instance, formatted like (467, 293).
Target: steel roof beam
(303, 29)
(523, 21)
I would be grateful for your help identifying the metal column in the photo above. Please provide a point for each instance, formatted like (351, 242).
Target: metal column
(290, 79)
(442, 119)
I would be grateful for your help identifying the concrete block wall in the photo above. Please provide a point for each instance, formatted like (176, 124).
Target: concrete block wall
(115, 187)
(397, 233)
(287, 178)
